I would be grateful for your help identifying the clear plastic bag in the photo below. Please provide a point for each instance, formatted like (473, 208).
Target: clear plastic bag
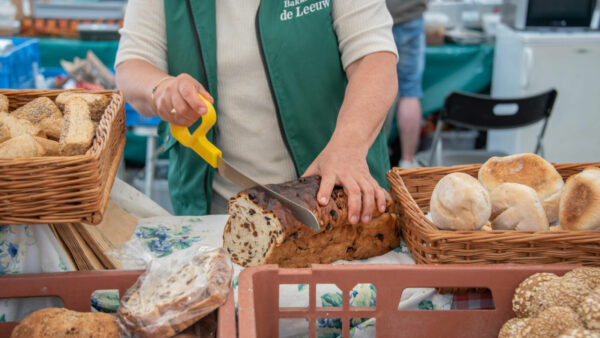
(175, 292)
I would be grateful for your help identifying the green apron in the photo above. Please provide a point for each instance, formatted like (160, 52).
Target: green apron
(300, 52)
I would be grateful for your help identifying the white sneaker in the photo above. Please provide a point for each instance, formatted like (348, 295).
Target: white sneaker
(408, 164)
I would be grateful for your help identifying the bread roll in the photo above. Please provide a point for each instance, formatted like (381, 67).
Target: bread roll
(59, 322)
(78, 130)
(52, 127)
(551, 323)
(459, 202)
(37, 110)
(4, 132)
(580, 201)
(517, 207)
(3, 104)
(530, 170)
(50, 146)
(589, 310)
(17, 127)
(524, 293)
(97, 103)
(21, 146)
(580, 333)
(260, 230)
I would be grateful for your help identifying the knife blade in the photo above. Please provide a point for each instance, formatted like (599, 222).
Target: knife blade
(234, 175)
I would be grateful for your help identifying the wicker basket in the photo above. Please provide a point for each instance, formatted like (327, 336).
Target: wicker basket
(58, 189)
(412, 188)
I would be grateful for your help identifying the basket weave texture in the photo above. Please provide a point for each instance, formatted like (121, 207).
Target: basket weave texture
(412, 189)
(58, 189)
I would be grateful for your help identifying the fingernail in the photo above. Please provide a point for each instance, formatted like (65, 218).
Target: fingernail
(202, 110)
(382, 208)
(354, 219)
(366, 219)
(323, 200)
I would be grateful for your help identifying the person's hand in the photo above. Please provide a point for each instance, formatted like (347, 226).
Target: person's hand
(346, 167)
(176, 100)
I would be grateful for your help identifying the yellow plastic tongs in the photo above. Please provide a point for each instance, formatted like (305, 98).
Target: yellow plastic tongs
(211, 154)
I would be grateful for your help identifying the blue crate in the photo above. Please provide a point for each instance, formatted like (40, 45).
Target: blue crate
(18, 65)
(134, 119)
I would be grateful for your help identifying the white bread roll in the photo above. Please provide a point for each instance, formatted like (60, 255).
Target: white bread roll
(530, 170)
(459, 202)
(580, 201)
(517, 207)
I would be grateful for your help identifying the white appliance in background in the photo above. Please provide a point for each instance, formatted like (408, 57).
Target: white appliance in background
(526, 63)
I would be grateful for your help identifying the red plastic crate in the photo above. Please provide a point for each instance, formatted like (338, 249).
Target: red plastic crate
(259, 311)
(75, 290)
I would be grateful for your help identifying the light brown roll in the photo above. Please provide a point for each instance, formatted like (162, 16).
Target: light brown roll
(513, 327)
(50, 146)
(4, 132)
(52, 127)
(37, 110)
(589, 310)
(97, 103)
(580, 201)
(459, 202)
(17, 127)
(78, 130)
(589, 275)
(20, 147)
(580, 333)
(522, 299)
(517, 207)
(569, 292)
(552, 322)
(3, 104)
(530, 170)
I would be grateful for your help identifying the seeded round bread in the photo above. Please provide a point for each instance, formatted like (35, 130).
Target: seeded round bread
(60, 322)
(525, 292)
(587, 274)
(589, 310)
(172, 295)
(552, 322)
(580, 333)
(530, 170)
(513, 327)
(262, 231)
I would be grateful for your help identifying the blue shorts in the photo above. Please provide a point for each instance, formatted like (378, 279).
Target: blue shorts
(410, 41)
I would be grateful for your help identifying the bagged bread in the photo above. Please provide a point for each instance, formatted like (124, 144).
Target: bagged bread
(459, 202)
(17, 127)
(20, 147)
(37, 110)
(97, 103)
(580, 201)
(78, 130)
(262, 231)
(517, 207)
(3, 104)
(60, 322)
(175, 292)
(530, 170)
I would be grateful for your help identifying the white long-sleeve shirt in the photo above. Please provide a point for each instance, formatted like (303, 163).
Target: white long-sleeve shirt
(249, 134)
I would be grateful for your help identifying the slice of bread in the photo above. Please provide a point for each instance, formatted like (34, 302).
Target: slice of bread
(97, 103)
(78, 130)
(37, 110)
(176, 291)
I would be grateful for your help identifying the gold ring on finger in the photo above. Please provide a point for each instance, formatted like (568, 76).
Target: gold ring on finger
(173, 111)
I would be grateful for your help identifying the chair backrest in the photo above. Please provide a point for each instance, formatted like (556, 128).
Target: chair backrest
(484, 112)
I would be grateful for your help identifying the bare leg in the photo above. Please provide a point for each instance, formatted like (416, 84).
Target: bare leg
(408, 117)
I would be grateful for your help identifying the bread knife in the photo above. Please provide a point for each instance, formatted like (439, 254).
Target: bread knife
(211, 154)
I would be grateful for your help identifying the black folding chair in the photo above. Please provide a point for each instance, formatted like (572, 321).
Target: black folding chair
(482, 112)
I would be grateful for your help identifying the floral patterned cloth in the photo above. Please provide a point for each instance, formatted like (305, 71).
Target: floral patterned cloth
(29, 249)
(160, 236)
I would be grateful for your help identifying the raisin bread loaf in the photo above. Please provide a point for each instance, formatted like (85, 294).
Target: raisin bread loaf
(59, 322)
(96, 102)
(175, 292)
(78, 130)
(262, 231)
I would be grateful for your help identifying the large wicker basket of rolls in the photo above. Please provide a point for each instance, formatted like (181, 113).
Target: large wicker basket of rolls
(59, 154)
(514, 209)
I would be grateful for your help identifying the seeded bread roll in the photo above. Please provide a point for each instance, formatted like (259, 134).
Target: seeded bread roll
(37, 110)
(513, 327)
(459, 202)
(530, 170)
(17, 127)
(588, 275)
(52, 127)
(3, 104)
(20, 147)
(96, 102)
(589, 310)
(580, 201)
(50, 146)
(60, 322)
(262, 231)
(78, 130)
(580, 333)
(517, 207)
(552, 322)
(522, 299)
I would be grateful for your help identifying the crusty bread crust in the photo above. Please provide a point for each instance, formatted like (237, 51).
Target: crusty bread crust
(580, 201)
(530, 170)
(59, 322)
(97, 103)
(262, 231)
(37, 110)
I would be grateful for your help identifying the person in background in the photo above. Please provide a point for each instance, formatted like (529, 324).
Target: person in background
(301, 88)
(409, 33)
